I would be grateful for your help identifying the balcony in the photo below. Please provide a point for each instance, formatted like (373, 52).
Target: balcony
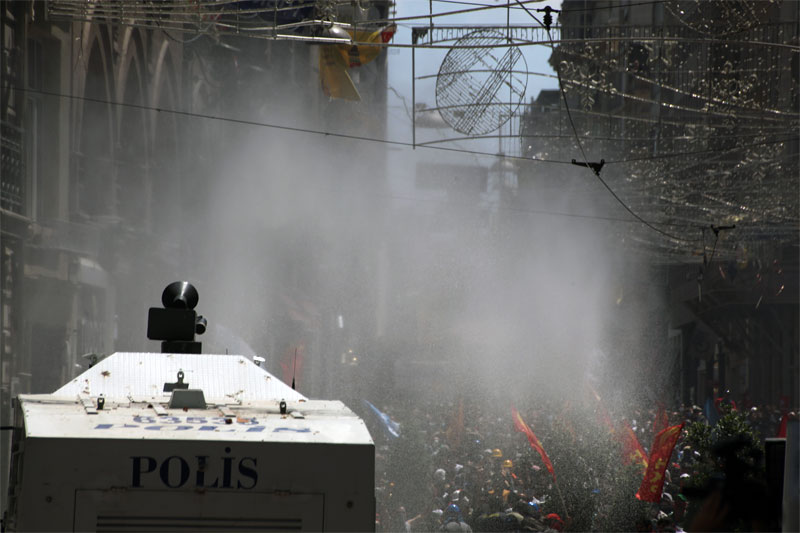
(12, 170)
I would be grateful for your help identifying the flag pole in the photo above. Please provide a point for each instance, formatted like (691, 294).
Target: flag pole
(521, 426)
(563, 503)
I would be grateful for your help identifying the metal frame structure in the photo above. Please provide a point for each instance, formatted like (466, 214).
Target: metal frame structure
(656, 101)
(697, 130)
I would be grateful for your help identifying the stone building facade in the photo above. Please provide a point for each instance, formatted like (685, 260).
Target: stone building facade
(112, 134)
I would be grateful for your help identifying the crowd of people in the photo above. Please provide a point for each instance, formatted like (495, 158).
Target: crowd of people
(461, 465)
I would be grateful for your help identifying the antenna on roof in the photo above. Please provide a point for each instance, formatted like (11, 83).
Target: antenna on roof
(294, 367)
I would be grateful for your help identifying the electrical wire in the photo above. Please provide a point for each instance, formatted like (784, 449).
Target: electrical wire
(700, 152)
(373, 139)
(483, 7)
(583, 152)
(617, 6)
(778, 114)
(274, 126)
(521, 210)
(464, 3)
(577, 10)
(636, 219)
(180, 41)
(346, 136)
(68, 7)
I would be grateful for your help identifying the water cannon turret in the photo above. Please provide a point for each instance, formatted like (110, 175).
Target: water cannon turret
(180, 295)
(177, 322)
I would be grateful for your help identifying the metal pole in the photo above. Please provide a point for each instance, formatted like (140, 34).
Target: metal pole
(510, 81)
(561, 496)
(413, 98)
(430, 21)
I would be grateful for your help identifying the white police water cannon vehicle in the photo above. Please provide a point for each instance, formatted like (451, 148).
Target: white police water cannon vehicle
(184, 441)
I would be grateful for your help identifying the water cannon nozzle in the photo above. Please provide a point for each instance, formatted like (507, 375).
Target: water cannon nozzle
(200, 325)
(180, 295)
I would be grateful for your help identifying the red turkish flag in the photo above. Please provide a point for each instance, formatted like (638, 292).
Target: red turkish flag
(632, 451)
(653, 482)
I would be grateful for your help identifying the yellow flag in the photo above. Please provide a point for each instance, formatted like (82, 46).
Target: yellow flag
(357, 55)
(334, 59)
(336, 82)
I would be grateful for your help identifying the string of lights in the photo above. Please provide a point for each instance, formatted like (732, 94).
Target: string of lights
(750, 182)
(516, 209)
(596, 170)
(365, 138)
(585, 8)
(334, 134)
(695, 104)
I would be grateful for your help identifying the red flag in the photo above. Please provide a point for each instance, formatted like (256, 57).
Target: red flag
(661, 421)
(782, 427)
(632, 451)
(653, 482)
(522, 427)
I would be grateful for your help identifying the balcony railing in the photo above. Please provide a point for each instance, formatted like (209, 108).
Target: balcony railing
(12, 170)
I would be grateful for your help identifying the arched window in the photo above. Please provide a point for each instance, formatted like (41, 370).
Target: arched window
(131, 157)
(95, 179)
(165, 169)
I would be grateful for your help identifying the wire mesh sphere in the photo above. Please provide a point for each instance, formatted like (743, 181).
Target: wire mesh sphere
(481, 83)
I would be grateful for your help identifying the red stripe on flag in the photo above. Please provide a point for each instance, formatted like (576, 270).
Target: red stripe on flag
(653, 481)
(522, 427)
(631, 448)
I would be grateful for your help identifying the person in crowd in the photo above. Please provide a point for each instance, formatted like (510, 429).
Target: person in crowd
(453, 521)
(491, 479)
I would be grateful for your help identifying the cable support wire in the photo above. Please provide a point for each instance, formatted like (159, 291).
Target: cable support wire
(201, 7)
(576, 10)
(597, 172)
(73, 7)
(216, 7)
(480, 71)
(222, 27)
(781, 126)
(610, 162)
(683, 137)
(266, 125)
(704, 99)
(354, 137)
(453, 33)
(701, 152)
